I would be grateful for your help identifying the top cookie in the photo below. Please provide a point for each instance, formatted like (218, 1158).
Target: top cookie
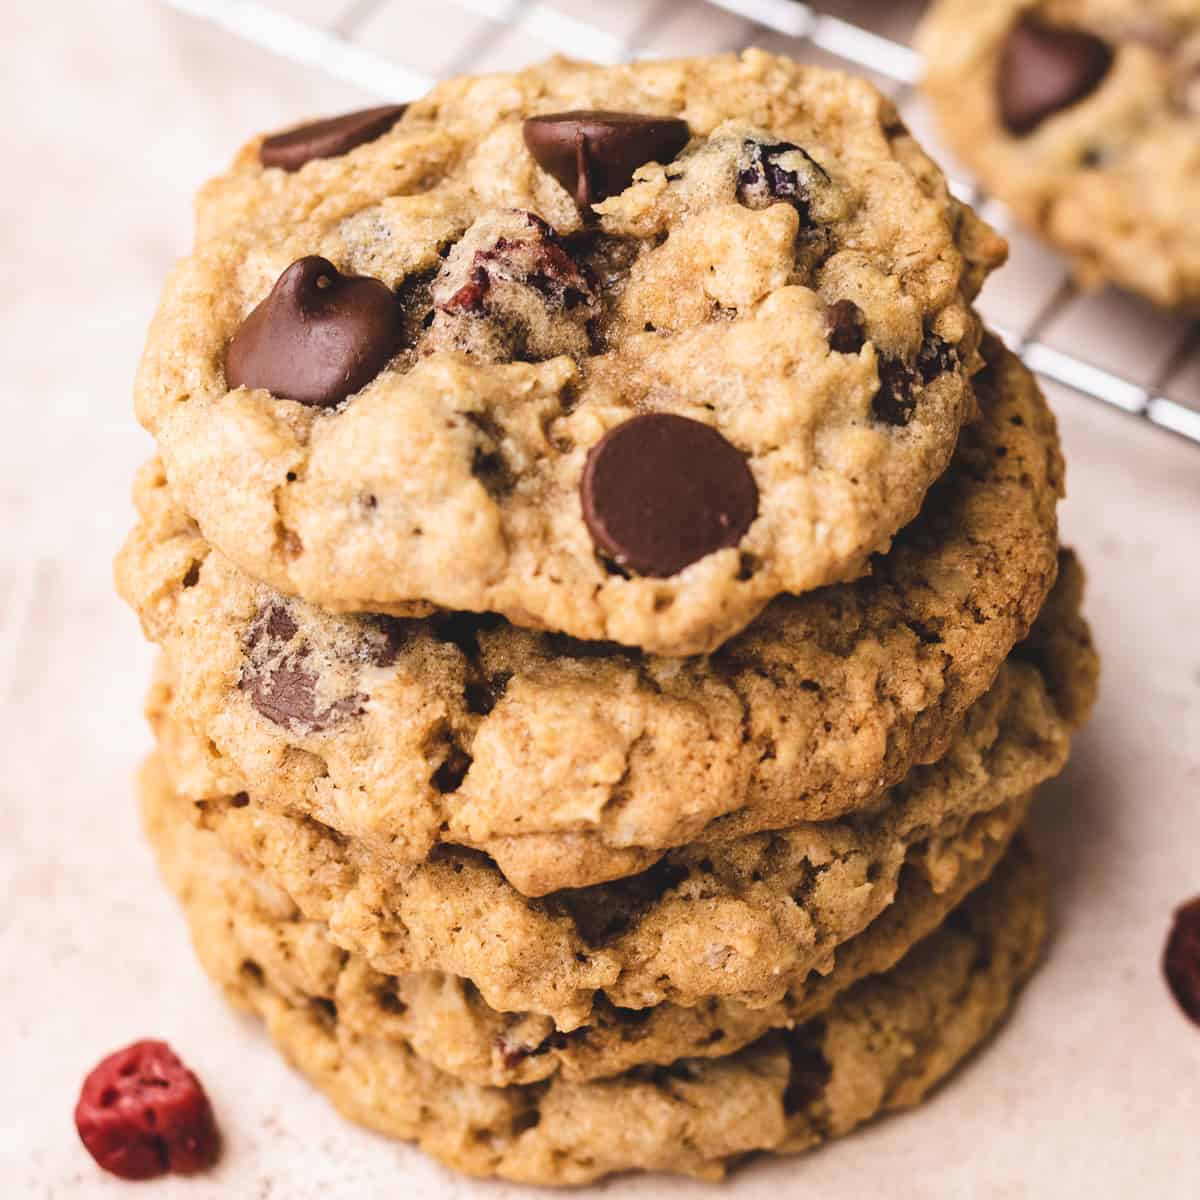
(616, 352)
(1082, 116)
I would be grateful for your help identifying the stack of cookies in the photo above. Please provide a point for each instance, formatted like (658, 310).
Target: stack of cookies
(611, 610)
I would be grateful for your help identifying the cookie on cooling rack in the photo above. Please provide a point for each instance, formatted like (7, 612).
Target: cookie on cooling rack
(622, 352)
(1083, 116)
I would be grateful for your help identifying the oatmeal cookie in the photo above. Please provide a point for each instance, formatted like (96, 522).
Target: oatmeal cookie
(879, 1045)
(1082, 116)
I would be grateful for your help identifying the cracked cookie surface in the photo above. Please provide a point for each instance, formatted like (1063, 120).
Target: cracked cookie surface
(588, 991)
(879, 1045)
(746, 918)
(572, 763)
(1082, 116)
(494, 334)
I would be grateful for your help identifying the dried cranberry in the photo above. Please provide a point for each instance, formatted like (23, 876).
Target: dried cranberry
(142, 1113)
(1181, 960)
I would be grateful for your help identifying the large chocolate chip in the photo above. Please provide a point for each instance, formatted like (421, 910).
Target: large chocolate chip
(1045, 69)
(1181, 961)
(329, 138)
(594, 154)
(318, 337)
(661, 491)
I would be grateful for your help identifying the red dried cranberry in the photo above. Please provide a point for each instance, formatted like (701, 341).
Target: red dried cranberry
(1181, 960)
(142, 1113)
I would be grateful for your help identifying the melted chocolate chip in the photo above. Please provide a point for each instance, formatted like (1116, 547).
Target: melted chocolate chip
(329, 138)
(662, 491)
(318, 337)
(1045, 69)
(844, 321)
(594, 154)
(763, 180)
(278, 677)
(1181, 960)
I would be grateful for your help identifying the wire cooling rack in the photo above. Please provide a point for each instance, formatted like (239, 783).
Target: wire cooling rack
(1108, 346)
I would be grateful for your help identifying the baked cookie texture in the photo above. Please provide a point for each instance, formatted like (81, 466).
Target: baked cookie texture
(571, 763)
(881, 1043)
(449, 1021)
(796, 280)
(1081, 116)
(748, 917)
(611, 616)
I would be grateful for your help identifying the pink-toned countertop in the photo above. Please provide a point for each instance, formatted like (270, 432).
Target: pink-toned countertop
(114, 112)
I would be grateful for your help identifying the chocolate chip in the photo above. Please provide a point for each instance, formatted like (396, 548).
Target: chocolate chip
(844, 322)
(900, 384)
(594, 154)
(763, 179)
(318, 337)
(277, 624)
(1181, 960)
(329, 138)
(286, 695)
(279, 679)
(1045, 69)
(661, 491)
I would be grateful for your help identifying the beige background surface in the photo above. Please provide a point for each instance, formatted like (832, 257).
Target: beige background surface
(113, 113)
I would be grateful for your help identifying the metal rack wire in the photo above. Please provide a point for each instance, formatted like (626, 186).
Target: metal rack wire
(329, 35)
